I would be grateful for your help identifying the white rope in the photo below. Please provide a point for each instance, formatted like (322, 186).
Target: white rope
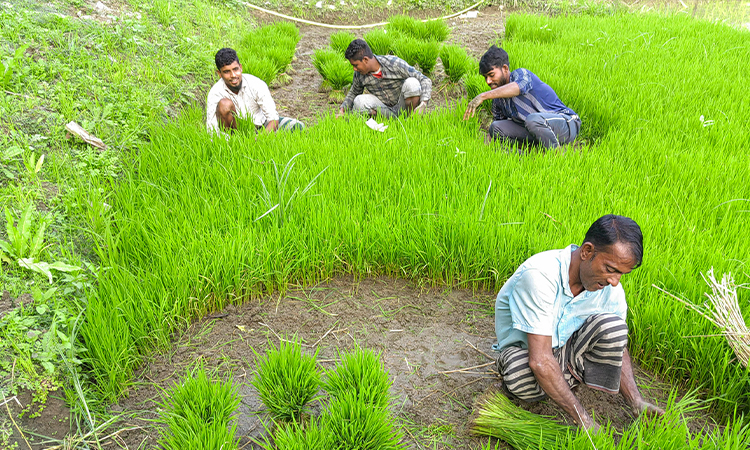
(349, 27)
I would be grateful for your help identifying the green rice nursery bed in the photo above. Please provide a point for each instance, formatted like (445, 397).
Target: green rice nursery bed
(199, 222)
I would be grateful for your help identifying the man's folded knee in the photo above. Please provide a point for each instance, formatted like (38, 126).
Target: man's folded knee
(411, 88)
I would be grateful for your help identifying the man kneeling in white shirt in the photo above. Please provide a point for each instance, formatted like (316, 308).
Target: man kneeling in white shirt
(241, 95)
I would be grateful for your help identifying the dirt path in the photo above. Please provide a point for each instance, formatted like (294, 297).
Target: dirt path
(422, 332)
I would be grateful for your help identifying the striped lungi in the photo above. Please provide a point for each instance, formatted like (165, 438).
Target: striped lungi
(287, 123)
(592, 355)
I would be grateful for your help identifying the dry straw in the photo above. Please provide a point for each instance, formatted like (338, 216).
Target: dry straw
(723, 310)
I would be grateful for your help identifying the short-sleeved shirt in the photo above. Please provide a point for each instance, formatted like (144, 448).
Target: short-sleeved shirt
(387, 88)
(253, 100)
(535, 97)
(537, 299)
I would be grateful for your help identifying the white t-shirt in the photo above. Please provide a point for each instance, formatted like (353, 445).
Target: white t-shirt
(253, 100)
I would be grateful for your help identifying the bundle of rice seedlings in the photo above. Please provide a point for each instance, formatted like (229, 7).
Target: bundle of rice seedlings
(322, 56)
(199, 414)
(311, 436)
(407, 49)
(260, 66)
(498, 417)
(427, 56)
(360, 425)
(435, 30)
(286, 380)
(475, 85)
(361, 373)
(341, 40)
(379, 41)
(723, 310)
(456, 61)
(432, 30)
(338, 73)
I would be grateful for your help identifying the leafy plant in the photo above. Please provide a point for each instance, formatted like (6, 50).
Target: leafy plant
(22, 242)
(379, 41)
(341, 40)
(13, 65)
(360, 372)
(199, 414)
(286, 380)
(456, 62)
(357, 424)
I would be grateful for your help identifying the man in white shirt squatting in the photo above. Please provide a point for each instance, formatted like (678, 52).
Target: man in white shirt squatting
(560, 321)
(241, 95)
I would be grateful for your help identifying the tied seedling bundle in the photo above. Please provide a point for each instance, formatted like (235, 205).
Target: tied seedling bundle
(340, 40)
(456, 62)
(380, 42)
(286, 380)
(199, 414)
(268, 51)
(336, 71)
(476, 84)
(361, 373)
(416, 52)
(433, 30)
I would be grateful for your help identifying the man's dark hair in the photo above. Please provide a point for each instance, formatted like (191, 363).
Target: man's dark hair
(357, 50)
(494, 57)
(610, 229)
(225, 57)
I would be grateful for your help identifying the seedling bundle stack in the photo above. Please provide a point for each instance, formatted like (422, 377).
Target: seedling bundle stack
(356, 410)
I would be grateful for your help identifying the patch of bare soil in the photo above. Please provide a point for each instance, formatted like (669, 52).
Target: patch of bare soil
(303, 99)
(426, 335)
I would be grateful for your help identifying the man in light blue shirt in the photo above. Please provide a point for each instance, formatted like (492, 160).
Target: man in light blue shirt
(560, 321)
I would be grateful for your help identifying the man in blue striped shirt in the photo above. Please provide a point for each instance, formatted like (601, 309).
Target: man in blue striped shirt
(525, 109)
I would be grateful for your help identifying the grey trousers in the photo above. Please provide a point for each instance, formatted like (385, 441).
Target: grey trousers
(364, 103)
(548, 129)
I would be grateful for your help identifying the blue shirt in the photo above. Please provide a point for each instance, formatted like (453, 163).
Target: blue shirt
(537, 299)
(535, 97)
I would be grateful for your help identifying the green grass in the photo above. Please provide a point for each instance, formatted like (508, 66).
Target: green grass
(178, 232)
(199, 414)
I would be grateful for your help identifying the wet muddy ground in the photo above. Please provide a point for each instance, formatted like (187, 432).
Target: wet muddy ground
(434, 342)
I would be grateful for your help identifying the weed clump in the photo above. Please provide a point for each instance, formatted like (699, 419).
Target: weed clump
(362, 374)
(286, 380)
(456, 62)
(199, 414)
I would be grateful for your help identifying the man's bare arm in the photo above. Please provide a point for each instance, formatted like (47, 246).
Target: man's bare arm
(629, 389)
(272, 125)
(550, 377)
(505, 91)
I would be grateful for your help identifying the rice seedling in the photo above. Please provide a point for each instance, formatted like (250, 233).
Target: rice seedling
(268, 50)
(433, 30)
(341, 40)
(286, 380)
(498, 417)
(427, 56)
(361, 373)
(379, 41)
(407, 49)
(310, 436)
(456, 62)
(360, 425)
(322, 56)
(336, 71)
(199, 414)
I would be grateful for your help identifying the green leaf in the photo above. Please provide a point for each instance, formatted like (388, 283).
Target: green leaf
(62, 267)
(39, 164)
(41, 309)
